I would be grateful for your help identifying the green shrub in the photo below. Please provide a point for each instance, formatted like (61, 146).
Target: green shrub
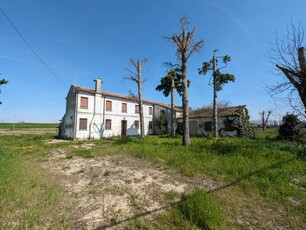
(202, 210)
(289, 130)
(139, 223)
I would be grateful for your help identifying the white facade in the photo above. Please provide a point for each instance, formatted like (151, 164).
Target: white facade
(97, 119)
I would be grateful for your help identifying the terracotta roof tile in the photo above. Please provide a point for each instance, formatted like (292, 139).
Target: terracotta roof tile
(207, 112)
(121, 96)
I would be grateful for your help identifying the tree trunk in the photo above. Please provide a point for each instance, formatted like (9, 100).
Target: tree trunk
(263, 121)
(142, 132)
(215, 105)
(172, 109)
(140, 103)
(302, 94)
(302, 88)
(186, 135)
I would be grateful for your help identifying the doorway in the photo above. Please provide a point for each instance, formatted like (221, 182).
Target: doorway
(123, 127)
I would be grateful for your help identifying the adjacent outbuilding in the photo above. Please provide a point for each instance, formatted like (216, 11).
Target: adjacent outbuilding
(231, 121)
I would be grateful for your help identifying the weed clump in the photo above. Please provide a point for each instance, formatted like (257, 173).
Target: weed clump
(85, 153)
(202, 210)
(139, 223)
(106, 173)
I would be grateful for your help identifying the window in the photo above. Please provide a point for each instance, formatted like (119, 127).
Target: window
(150, 125)
(124, 107)
(108, 124)
(136, 108)
(108, 105)
(83, 124)
(150, 110)
(208, 126)
(136, 124)
(228, 126)
(84, 103)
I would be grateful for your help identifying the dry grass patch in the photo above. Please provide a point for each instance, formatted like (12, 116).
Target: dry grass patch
(112, 189)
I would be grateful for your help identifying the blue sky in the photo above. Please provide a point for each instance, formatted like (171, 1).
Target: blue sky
(82, 40)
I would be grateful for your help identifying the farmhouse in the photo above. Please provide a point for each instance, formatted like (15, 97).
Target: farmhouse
(230, 121)
(93, 113)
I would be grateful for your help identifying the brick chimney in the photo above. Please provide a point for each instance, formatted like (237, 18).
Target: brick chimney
(98, 85)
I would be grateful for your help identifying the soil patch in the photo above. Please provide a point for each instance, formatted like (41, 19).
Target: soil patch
(107, 192)
(114, 189)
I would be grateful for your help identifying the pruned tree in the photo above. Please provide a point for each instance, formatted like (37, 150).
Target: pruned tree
(288, 56)
(2, 82)
(185, 47)
(168, 84)
(137, 78)
(219, 80)
(264, 119)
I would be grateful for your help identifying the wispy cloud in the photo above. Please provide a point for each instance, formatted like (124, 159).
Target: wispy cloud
(242, 26)
(40, 37)
(19, 60)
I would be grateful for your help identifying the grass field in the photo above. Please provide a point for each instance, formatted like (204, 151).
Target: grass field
(19, 126)
(259, 181)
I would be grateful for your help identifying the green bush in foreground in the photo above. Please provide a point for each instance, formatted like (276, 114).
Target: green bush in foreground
(289, 130)
(202, 210)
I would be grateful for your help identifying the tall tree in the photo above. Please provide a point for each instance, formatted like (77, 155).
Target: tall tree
(137, 78)
(264, 119)
(219, 79)
(168, 84)
(288, 55)
(185, 47)
(2, 82)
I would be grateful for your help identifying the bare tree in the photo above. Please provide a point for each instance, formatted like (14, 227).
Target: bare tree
(288, 55)
(137, 78)
(264, 119)
(185, 47)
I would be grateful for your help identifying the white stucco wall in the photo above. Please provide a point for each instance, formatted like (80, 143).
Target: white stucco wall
(96, 117)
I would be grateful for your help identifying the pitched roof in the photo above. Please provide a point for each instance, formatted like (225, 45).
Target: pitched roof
(222, 112)
(121, 96)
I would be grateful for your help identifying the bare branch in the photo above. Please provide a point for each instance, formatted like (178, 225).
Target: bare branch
(177, 40)
(130, 78)
(133, 96)
(288, 56)
(170, 65)
(289, 74)
(196, 47)
(133, 62)
(131, 72)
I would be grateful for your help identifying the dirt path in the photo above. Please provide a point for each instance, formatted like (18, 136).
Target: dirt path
(115, 189)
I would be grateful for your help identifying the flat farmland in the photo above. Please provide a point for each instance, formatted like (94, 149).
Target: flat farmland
(27, 128)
